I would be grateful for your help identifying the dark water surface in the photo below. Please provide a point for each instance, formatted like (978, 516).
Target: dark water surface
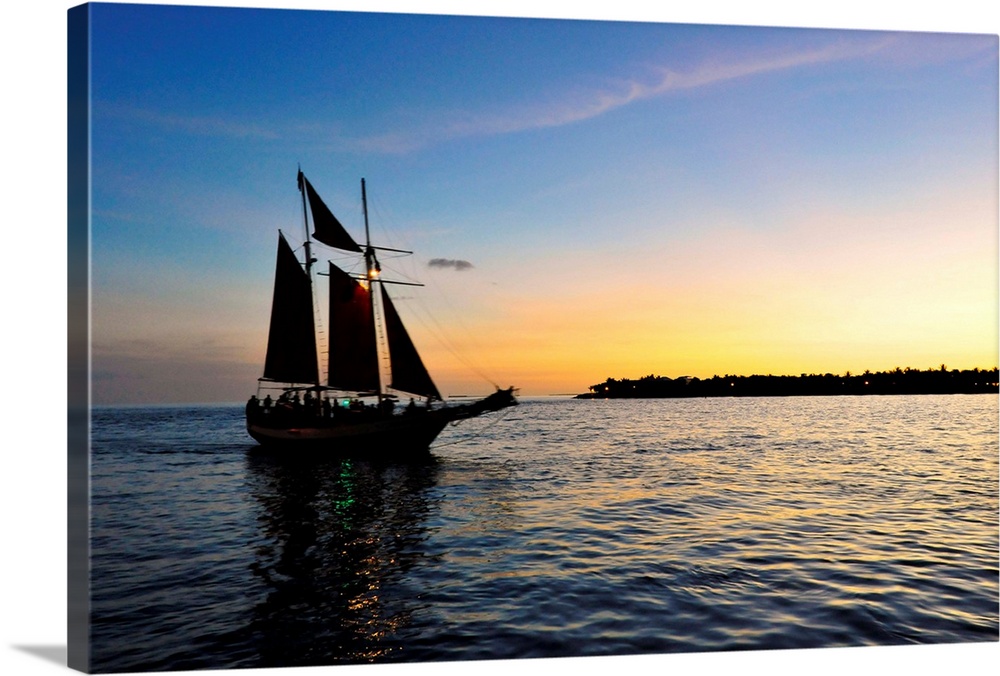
(561, 528)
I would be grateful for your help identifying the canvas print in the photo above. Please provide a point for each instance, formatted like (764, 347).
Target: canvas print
(402, 338)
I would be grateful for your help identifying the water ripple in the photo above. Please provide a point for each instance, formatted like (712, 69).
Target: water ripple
(565, 528)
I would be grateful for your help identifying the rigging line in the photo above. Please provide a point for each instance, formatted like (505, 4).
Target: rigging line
(322, 341)
(475, 366)
(375, 209)
(470, 437)
(322, 345)
(441, 336)
(393, 248)
(437, 330)
(381, 336)
(396, 271)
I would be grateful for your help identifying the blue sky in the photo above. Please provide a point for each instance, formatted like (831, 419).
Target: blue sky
(633, 197)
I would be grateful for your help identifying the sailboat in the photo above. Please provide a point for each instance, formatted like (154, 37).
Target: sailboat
(355, 410)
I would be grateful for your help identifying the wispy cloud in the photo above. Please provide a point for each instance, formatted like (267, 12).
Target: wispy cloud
(561, 107)
(568, 108)
(199, 125)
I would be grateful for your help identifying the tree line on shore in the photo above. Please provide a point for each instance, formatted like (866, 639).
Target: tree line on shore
(897, 381)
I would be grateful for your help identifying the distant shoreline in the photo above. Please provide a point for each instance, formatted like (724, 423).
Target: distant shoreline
(897, 381)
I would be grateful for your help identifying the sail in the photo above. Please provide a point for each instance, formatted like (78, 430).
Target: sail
(326, 227)
(353, 351)
(408, 371)
(291, 340)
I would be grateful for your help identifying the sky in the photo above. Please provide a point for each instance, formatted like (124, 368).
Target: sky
(626, 197)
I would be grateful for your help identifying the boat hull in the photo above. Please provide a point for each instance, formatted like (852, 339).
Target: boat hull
(394, 436)
(364, 432)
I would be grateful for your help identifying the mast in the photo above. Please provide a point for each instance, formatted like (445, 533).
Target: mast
(309, 258)
(372, 270)
(405, 365)
(364, 207)
(305, 221)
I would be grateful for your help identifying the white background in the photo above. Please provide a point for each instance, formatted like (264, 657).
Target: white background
(32, 398)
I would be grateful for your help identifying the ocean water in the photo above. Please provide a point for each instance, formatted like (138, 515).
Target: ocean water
(557, 528)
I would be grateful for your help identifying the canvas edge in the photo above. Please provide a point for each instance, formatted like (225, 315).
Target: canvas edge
(79, 371)
(78, 338)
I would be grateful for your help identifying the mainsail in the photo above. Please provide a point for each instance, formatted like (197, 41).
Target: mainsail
(291, 339)
(408, 371)
(353, 359)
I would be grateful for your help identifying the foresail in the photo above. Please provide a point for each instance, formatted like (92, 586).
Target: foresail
(408, 371)
(291, 340)
(353, 356)
(326, 228)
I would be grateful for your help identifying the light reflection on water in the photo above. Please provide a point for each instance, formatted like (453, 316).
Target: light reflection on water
(563, 528)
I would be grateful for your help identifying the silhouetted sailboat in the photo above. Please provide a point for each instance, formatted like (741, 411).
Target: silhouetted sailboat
(334, 416)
